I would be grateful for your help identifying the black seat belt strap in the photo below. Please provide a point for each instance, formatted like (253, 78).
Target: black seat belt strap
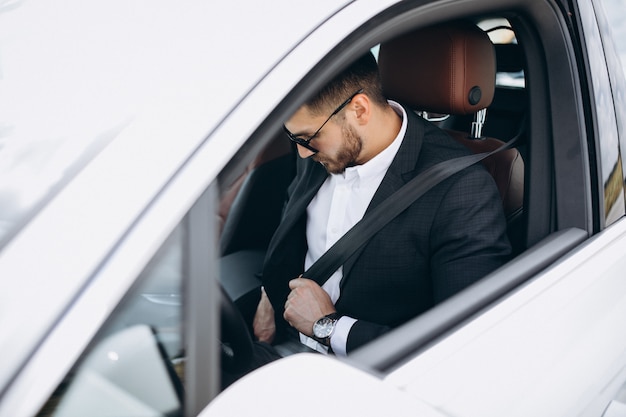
(382, 214)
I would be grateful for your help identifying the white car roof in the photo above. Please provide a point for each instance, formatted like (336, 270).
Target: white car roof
(122, 92)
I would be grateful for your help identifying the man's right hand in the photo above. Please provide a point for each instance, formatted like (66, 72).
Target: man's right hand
(263, 324)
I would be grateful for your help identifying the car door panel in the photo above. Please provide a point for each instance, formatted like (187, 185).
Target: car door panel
(554, 341)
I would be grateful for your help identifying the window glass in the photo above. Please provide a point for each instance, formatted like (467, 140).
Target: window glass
(502, 35)
(611, 21)
(607, 142)
(135, 364)
(616, 14)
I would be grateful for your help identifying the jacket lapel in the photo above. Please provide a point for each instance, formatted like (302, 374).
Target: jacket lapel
(308, 183)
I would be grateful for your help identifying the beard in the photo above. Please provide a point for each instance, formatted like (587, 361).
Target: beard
(347, 154)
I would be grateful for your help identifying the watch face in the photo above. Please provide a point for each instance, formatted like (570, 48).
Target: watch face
(323, 327)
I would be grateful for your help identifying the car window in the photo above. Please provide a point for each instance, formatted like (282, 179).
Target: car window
(616, 16)
(501, 33)
(611, 108)
(612, 19)
(135, 365)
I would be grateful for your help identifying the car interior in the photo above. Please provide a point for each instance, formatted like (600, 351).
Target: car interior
(434, 83)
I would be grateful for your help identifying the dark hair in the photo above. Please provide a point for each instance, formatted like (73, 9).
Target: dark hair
(361, 74)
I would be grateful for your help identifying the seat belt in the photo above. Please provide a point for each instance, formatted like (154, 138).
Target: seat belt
(382, 214)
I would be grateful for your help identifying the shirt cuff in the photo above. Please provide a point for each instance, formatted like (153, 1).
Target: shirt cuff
(339, 339)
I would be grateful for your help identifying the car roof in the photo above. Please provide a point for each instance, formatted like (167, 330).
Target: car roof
(122, 93)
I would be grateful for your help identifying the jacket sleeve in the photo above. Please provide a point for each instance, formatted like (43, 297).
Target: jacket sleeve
(468, 239)
(363, 332)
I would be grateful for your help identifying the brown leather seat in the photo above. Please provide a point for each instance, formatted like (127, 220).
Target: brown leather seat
(450, 69)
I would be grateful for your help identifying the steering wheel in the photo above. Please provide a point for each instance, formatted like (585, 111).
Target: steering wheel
(236, 341)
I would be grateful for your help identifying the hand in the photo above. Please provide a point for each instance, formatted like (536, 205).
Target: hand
(307, 302)
(263, 324)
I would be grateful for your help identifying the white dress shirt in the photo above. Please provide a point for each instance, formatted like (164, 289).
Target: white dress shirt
(338, 205)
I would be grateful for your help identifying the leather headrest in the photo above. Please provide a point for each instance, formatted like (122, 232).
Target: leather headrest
(449, 69)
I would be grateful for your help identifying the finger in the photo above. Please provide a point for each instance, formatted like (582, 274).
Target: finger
(295, 283)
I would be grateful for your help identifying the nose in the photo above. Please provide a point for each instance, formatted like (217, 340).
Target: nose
(304, 152)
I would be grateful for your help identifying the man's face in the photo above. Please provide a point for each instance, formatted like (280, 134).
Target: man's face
(346, 155)
(338, 143)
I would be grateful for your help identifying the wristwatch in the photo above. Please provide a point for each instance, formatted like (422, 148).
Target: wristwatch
(324, 328)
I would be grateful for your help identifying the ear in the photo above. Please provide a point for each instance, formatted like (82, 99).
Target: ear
(361, 106)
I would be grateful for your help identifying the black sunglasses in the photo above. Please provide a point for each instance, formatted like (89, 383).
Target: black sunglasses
(305, 142)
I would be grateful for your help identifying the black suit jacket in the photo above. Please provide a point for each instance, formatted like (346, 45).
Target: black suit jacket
(449, 238)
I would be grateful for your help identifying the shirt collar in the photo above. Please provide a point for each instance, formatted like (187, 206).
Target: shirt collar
(378, 165)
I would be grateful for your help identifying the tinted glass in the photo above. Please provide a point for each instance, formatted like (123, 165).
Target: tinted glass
(135, 366)
(501, 33)
(612, 22)
(607, 141)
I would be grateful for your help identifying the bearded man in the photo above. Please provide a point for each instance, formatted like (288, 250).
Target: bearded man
(356, 148)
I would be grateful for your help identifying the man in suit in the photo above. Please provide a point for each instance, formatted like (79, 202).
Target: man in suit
(356, 148)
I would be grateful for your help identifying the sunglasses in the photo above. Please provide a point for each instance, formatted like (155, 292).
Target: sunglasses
(305, 142)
